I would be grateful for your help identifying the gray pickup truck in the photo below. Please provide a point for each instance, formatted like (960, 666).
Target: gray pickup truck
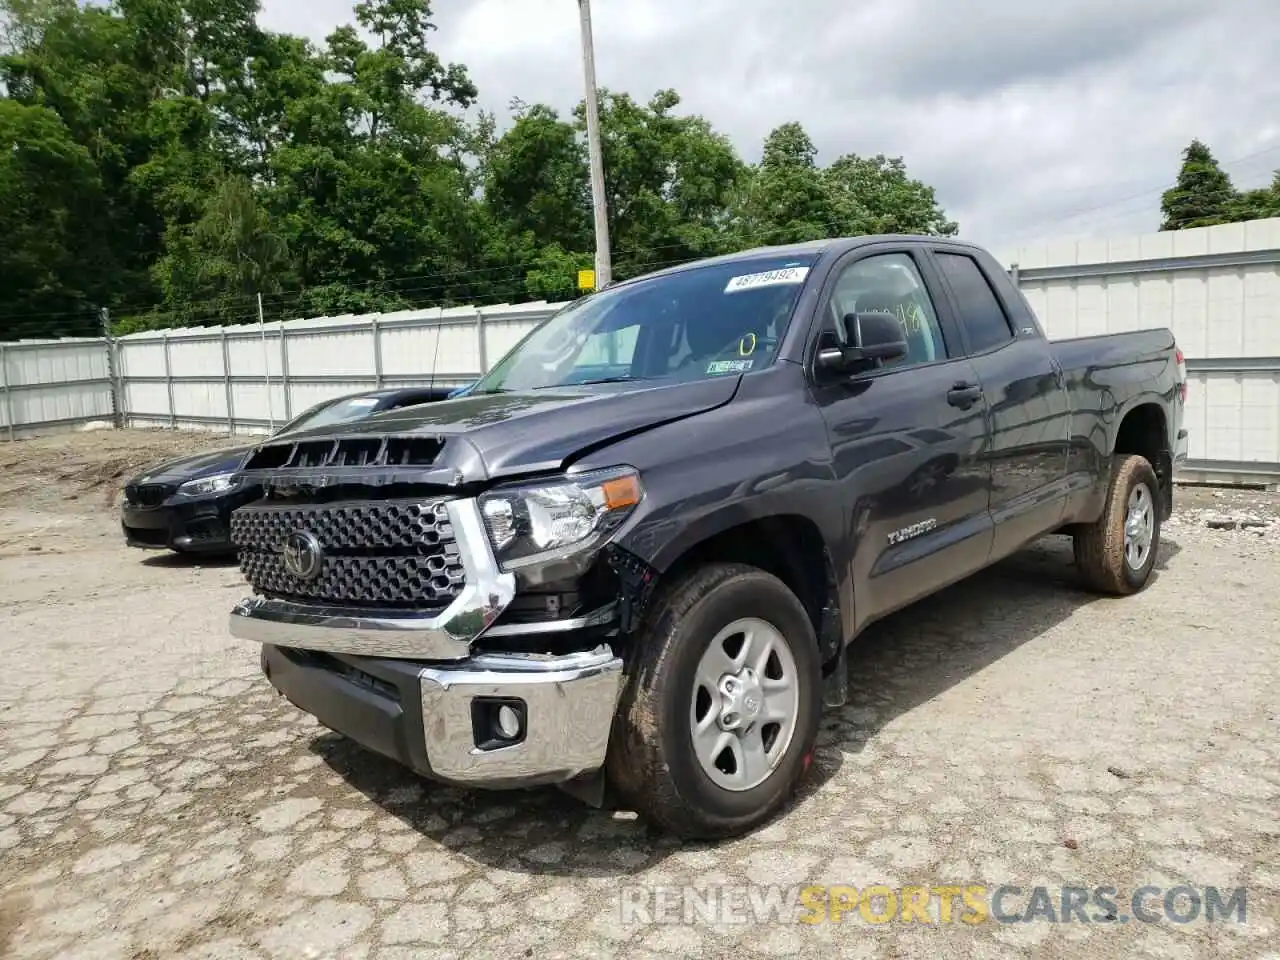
(630, 558)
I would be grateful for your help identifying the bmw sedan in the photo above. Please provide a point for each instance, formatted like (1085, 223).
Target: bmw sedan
(185, 504)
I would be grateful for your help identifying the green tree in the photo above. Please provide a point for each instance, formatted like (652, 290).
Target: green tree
(227, 257)
(372, 187)
(51, 205)
(873, 195)
(171, 159)
(783, 199)
(788, 197)
(76, 62)
(1203, 195)
(668, 180)
(537, 181)
(1260, 203)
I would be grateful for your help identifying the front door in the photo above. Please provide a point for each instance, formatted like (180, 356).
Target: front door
(907, 438)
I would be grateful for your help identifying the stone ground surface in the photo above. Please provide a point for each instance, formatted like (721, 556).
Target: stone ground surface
(157, 800)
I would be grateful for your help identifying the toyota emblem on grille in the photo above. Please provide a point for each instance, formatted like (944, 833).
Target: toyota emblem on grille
(302, 555)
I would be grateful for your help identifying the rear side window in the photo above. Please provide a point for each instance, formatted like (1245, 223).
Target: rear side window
(980, 310)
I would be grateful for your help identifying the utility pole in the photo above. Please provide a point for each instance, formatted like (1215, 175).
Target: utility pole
(604, 263)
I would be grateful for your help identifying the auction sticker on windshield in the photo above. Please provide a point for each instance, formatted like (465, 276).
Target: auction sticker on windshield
(770, 278)
(729, 366)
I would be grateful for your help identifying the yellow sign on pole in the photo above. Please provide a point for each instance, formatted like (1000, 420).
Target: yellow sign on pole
(586, 279)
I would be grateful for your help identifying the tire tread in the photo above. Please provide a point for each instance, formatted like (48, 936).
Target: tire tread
(635, 763)
(1099, 546)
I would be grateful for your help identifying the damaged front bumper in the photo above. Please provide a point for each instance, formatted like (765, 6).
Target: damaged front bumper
(446, 720)
(413, 685)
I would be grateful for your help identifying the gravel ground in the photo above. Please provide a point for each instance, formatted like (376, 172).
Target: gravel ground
(157, 800)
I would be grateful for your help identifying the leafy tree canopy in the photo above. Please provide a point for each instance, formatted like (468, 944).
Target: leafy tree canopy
(173, 161)
(1204, 195)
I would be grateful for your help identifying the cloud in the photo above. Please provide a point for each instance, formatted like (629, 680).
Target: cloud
(1033, 121)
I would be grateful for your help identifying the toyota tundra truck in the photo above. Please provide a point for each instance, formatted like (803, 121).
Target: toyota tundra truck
(630, 558)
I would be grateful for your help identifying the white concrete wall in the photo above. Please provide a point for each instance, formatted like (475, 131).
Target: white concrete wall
(186, 377)
(52, 383)
(1217, 288)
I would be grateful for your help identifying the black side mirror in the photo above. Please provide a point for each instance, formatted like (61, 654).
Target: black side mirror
(871, 339)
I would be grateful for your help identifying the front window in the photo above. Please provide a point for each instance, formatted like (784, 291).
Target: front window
(714, 320)
(331, 413)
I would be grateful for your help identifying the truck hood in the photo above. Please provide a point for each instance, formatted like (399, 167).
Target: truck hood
(488, 436)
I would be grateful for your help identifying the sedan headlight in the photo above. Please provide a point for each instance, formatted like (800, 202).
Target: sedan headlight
(529, 523)
(208, 486)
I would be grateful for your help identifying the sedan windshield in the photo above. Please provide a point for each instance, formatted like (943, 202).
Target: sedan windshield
(330, 413)
(715, 320)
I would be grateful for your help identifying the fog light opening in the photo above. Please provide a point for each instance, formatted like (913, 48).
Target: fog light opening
(499, 722)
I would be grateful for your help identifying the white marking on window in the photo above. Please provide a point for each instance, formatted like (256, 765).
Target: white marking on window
(769, 278)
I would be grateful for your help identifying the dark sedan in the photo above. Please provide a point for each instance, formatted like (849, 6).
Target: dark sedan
(185, 504)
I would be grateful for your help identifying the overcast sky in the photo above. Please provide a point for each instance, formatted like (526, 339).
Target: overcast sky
(1034, 121)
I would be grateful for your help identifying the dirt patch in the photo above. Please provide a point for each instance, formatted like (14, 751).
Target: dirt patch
(1228, 511)
(13, 910)
(92, 464)
(1227, 500)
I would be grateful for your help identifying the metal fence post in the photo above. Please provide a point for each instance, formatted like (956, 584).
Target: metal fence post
(8, 396)
(226, 380)
(1013, 273)
(284, 372)
(377, 349)
(113, 368)
(168, 381)
(481, 352)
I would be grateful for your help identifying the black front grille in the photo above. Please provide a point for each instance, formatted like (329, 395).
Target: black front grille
(379, 553)
(148, 494)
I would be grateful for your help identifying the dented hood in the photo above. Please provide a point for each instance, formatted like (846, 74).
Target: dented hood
(490, 436)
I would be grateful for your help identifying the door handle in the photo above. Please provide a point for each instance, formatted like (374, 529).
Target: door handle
(964, 395)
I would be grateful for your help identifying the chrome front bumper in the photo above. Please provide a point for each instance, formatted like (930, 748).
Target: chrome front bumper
(433, 718)
(381, 633)
(568, 702)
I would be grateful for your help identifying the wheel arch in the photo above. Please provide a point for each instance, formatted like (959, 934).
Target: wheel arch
(789, 546)
(1143, 429)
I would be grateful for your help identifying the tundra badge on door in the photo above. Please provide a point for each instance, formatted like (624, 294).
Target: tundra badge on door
(906, 533)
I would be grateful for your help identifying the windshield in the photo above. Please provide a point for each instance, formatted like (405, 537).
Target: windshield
(330, 412)
(716, 320)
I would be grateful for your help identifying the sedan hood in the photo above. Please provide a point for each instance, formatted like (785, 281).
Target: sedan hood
(194, 467)
(488, 436)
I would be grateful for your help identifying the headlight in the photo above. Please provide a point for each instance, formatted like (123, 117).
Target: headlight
(532, 522)
(207, 486)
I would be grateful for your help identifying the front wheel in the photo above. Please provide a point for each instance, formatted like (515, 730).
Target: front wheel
(720, 710)
(1117, 553)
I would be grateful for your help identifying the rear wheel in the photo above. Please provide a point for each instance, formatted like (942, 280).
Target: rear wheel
(1117, 553)
(721, 706)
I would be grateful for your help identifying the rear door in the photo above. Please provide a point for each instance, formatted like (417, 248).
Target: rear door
(1026, 397)
(906, 438)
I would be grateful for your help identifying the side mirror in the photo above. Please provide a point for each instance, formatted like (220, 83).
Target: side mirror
(870, 339)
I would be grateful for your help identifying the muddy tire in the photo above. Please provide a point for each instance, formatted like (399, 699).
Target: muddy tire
(721, 704)
(1117, 553)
